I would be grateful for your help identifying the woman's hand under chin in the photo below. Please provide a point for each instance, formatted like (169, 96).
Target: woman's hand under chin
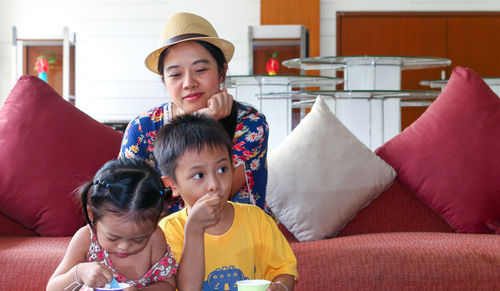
(219, 105)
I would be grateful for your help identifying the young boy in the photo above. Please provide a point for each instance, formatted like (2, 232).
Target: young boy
(217, 242)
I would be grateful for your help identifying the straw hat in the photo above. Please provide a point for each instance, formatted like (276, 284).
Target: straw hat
(184, 27)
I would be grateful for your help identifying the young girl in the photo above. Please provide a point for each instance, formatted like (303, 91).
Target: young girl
(122, 206)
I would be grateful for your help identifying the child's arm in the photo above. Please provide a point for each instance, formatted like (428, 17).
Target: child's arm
(168, 285)
(158, 250)
(74, 271)
(204, 213)
(283, 282)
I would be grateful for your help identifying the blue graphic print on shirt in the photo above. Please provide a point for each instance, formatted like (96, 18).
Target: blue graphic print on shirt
(224, 278)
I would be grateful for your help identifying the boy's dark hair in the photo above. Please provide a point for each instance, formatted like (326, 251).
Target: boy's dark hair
(188, 132)
(127, 187)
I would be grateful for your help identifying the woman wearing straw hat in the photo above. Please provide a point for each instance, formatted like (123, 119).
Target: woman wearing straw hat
(192, 63)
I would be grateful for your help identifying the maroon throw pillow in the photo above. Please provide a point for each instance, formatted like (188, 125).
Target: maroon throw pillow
(47, 149)
(450, 156)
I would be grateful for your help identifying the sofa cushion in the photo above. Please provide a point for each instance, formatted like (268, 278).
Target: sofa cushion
(28, 262)
(321, 175)
(399, 261)
(49, 147)
(450, 156)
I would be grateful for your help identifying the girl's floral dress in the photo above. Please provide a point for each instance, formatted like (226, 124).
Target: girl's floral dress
(163, 269)
(249, 149)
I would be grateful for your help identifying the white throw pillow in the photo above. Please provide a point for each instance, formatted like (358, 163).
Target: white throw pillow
(321, 175)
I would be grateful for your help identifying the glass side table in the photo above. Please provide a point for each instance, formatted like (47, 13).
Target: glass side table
(494, 84)
(278, 112)
(373, 72)
(368, 119)
(368, 72)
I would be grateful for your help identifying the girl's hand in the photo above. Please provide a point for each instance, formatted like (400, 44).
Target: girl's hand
(207, 210)
(94, 274)
(219, 105)
(131, 288)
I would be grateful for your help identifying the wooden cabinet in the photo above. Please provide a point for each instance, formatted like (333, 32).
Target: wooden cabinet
(55, 73)
(57, 48)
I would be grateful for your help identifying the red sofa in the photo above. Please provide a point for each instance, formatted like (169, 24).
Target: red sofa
(395, 243)
(398, 243)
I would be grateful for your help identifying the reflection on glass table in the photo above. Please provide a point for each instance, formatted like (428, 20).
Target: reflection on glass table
(364, 112)
(247, 88)
(339, 62)
(494, 84)
(368, 72)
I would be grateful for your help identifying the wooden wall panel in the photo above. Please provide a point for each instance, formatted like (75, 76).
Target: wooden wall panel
(294, 12)
(474, 42)
(385, 34)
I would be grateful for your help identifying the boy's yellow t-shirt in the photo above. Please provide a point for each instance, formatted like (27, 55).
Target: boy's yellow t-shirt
(253, 248)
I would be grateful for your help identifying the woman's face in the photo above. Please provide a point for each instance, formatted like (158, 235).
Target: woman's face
(191, 76)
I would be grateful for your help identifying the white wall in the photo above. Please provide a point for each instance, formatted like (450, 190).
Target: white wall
(114, 36)
(112, 39)
(7, 57)
(31, 17)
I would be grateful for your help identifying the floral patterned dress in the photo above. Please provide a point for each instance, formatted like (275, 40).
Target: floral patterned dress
(163, 269)
(249, 149)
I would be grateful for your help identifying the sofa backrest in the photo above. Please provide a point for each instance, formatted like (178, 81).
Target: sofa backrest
(9, 227)
(396, 210)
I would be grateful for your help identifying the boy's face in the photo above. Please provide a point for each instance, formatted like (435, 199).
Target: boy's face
(200, 173)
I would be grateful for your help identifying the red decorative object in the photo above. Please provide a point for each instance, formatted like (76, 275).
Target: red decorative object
(272, 65)
(42, 65)
(45, 62)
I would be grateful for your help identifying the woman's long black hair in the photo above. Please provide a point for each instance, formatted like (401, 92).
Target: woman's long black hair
(228, 122)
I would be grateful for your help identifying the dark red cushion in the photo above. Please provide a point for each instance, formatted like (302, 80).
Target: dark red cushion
(47, 148)
(450, 156)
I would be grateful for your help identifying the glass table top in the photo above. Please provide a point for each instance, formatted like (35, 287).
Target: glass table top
(292, 80)
(351, 94)
(341, 62)
(441, 83)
